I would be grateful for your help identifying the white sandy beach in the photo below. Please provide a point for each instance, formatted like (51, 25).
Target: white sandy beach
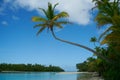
(94, 75)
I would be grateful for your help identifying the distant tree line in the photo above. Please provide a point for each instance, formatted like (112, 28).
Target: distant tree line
(29, 67)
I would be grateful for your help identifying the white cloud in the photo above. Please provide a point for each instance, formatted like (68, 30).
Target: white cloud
(31, 4)
(77, 9)
(5, 23)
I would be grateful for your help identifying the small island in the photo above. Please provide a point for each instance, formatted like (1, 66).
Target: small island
(4, 67)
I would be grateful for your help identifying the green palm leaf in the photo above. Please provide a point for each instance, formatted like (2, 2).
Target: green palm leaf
(40, 30)
(64, 22)
(102, 20)
(40, 25)
(38, 19)
(104, 33)
(55, 6)
(60, 15)
(58, 25)
(45, 12)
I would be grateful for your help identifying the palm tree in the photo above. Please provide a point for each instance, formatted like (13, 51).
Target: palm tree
(54, 20)
(93, 39)
(109, 14)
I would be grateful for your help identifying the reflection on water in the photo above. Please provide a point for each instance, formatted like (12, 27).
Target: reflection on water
(46, 76)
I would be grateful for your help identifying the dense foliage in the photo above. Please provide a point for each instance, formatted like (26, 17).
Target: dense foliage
(29, 67)
(108, 16)
(109, 71)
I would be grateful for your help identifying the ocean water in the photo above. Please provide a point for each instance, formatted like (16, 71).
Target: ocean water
(40, 76)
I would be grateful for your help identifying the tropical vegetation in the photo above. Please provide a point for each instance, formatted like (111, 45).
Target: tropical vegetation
(108, 17)
(87, 66)
(29, 68)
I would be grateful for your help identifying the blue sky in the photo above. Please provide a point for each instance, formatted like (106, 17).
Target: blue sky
(19, 43)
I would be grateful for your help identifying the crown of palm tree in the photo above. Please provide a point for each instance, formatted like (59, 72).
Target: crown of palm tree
(93, 39)
(52, 19)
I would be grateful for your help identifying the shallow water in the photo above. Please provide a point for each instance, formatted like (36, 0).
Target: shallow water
(43, 76)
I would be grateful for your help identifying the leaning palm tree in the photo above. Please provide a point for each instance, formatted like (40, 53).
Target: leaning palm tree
(53, 20)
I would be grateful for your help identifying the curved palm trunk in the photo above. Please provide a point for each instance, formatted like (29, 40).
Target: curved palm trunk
(82, 46)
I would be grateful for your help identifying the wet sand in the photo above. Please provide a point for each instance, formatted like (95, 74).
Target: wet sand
(72, 72)
(91, 75)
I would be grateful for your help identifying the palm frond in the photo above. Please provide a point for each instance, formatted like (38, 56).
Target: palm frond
(102, 20)
(104, 41)
(55, 6)
(104, 33)
(40, 30)
(116, 20)
(58, 25)
(38, 19)
(50, 11)
(45, 12)
(60, 15)
(64, 22)
(93, 39)
(112, 37)
(40, 25)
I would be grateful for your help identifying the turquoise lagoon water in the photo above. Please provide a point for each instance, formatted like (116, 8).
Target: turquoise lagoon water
(39, 76)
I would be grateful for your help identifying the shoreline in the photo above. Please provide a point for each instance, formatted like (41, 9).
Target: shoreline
(94, 75)
(73, 72)
(67, 72)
